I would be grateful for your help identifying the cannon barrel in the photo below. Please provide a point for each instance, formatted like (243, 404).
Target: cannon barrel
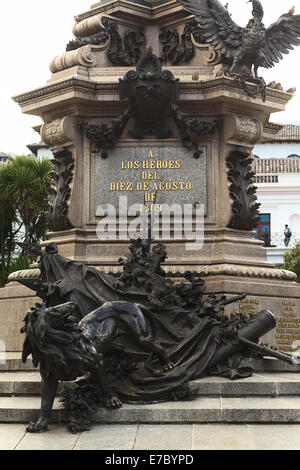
(265, 322)
(234, 299)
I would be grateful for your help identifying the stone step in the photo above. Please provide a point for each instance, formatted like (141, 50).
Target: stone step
(22, 383)
(270, 364)
(271, 384)
(13, 362)
(201, 410)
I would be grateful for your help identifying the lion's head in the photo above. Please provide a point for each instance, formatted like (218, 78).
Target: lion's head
(55, 340)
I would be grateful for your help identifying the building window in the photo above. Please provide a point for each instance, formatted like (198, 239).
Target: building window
(263, 231)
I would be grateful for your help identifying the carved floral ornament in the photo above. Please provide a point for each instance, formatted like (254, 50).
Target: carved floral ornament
(52, 133)
(60, 193)
(245, 208)
(58, 132)
(248, 130)
(243, 129)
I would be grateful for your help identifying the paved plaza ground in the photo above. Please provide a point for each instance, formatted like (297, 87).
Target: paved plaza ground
(155, 437)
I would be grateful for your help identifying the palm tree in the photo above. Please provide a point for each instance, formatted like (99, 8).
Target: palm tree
(28, 184)
(8, 220)
(24, 187)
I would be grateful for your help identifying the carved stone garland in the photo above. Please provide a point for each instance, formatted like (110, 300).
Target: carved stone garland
(151, 92)
(180, 49)
(188, 126)
(106, 136)
(242, 191)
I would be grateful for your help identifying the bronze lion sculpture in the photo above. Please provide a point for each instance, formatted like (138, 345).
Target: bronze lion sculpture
(67, 348)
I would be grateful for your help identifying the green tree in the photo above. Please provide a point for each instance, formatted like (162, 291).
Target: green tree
(24, 188)
(7, 235)
(292, 260)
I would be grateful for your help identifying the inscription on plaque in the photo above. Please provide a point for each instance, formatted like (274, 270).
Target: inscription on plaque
(248, 307)
(286, 337)
(152, 176)
(288, 331)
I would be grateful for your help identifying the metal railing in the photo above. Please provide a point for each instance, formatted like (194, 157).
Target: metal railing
(276, 240)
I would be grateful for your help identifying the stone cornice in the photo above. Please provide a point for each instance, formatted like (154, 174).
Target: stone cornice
(125, 10)
(225, 86)
(271, 129)
(223, 89)
(64, 85)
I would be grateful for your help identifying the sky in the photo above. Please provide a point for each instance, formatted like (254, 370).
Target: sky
(35, 31)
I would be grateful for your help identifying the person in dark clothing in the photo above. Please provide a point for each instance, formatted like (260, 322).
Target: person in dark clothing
(287, 235)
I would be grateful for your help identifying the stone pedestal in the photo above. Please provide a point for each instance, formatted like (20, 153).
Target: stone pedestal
(15, 301)
(84, 89)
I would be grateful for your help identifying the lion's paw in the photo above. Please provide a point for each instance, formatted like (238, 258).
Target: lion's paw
(37, 427)
(76, 428)
(113, 402)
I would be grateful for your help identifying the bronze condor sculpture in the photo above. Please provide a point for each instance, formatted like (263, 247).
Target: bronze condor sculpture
(253, 46)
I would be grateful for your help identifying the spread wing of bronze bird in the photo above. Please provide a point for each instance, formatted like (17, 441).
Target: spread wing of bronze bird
(32, 249)
(253, 46)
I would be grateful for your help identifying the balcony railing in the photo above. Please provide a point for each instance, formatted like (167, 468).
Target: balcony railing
(276, 240)
(258, 179)
(266, 166)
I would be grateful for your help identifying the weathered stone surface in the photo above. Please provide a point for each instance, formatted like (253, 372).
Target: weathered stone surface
(164, 437)
(279, 437)
(11, 435)
(221, 437)
(55, 439)
(261, 410)
(108, 437)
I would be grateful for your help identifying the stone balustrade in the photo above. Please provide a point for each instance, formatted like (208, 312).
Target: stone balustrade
(262, 179)
(267, 166)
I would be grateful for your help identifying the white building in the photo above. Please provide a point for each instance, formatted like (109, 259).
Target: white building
(40, 150)
(277, 168)
(4, 158)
